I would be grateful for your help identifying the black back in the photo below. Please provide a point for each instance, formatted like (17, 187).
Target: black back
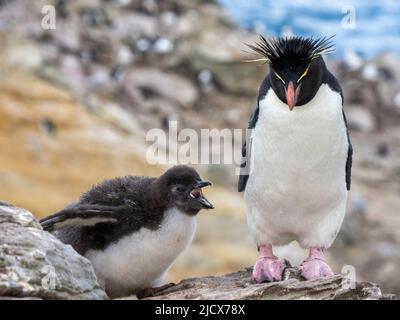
(133, 204)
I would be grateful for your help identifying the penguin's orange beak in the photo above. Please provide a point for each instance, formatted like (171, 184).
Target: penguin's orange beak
(292, 94)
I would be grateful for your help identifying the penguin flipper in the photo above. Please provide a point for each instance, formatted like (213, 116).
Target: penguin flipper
(244, 171)
(335, 86)
(349, 161)
(82, 215)
(243, 177)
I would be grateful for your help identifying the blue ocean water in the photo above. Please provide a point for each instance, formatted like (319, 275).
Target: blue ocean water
(366, 27)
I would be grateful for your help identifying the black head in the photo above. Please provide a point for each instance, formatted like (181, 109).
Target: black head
(183, 187)
(296, 66)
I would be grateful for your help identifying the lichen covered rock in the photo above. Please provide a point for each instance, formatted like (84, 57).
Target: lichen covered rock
(36, 265)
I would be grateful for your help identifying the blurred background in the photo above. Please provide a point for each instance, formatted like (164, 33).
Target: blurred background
(76, 103)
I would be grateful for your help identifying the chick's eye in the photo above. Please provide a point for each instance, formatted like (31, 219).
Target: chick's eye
(180, 189)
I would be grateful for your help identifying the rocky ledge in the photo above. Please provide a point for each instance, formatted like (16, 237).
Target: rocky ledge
(36, 265)
(238, 286)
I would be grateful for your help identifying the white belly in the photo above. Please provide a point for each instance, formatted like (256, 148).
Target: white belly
(297, 188)
(140, 260)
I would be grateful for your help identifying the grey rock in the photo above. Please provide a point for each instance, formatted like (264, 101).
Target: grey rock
(157, 83)
(19, 216)
(120, 118)
(225, 60)
(389, 85)
(135, 25)
(24, 55)
(360, 118)
(36, 265)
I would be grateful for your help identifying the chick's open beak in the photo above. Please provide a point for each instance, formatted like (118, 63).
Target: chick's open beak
(197, 194)
(292, 94)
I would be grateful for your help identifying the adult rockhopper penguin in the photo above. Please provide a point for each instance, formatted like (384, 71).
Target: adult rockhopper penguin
(296, 170)
(132, 228)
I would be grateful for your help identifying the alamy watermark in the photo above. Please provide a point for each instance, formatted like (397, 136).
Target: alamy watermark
(49, 21)
(50, 280)
(349, 277)
(349, 18)
(206, 146)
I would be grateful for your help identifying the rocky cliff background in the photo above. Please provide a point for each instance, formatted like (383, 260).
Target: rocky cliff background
(76, 103)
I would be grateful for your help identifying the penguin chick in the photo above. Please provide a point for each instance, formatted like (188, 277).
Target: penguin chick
(133, 228)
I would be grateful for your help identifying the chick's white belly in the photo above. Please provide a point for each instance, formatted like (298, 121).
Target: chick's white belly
(297, 189)
(140, 260)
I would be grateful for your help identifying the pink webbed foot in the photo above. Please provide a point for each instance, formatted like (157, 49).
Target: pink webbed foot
(268, 267)
(315, 267)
